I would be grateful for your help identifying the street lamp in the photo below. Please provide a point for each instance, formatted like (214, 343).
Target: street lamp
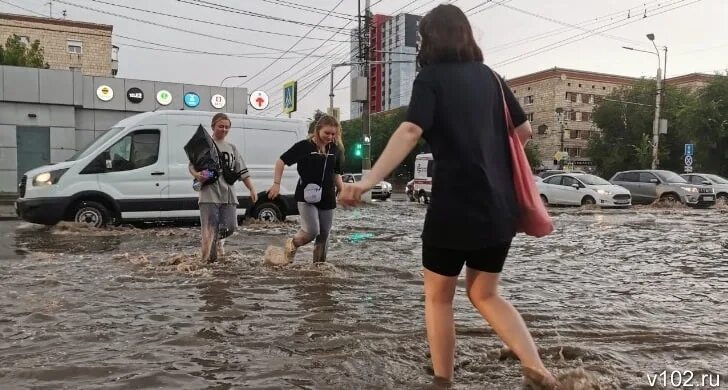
(231, 77)
(658, 97)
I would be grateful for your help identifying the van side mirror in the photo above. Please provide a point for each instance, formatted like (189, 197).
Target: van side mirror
(654, 181)
(107, 157)
(576, 186)
(707, 183)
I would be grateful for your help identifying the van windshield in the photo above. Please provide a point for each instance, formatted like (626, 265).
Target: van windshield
(90, 148)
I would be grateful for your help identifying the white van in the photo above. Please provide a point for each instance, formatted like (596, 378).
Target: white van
(422, 190)
(138, 171)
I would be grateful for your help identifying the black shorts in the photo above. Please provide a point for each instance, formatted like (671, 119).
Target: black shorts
(449, 262)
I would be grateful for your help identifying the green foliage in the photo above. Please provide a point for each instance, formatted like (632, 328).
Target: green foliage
(16, 53)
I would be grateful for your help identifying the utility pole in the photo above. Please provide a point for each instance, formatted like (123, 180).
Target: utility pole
(366, 125)
(656, 122)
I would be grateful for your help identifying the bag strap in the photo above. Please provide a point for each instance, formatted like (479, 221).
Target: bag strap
(506, 111)
(326, 159)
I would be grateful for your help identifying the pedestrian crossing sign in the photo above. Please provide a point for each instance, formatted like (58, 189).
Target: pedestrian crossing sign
(290, 92)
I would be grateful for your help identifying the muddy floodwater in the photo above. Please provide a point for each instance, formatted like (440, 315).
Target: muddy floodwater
(623, 294)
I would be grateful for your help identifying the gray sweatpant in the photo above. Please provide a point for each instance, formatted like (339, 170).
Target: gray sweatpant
(315, 224)
(217, 221)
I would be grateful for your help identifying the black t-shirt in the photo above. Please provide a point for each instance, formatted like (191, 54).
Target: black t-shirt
(460, 110)
(310, 166)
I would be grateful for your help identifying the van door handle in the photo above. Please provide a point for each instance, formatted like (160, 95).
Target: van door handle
(157, 173)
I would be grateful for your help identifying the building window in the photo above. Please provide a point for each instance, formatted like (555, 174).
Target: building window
(568, 84)
(571, 96)
(572, 115)
(579, 85)
(604, 88)
(74, 68)
(586, 116)
(529, 88)
(573, 134)
(75, 47)
(592, 87)
(529, 117)
(25, 40)
(584, 134)
(528, 99)
(542, 129)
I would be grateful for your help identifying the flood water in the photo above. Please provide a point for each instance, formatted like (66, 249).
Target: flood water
(622, 294)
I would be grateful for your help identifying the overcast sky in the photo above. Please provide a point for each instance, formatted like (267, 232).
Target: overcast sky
(517, 37)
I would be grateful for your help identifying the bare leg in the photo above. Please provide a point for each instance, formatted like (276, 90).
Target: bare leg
(439, 292)
(503, 318)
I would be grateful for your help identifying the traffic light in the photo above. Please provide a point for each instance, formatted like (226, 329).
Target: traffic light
(358, 151)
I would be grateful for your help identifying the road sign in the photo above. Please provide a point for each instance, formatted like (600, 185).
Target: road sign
(217, 101)
(688, 169)
(688, 161)
(259, 100)
(290, 96)
(689, 149)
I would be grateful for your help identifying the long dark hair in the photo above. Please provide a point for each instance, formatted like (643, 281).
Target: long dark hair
(447, 37)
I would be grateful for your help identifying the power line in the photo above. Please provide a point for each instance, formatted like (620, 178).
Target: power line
(537, 37)
(208, 22)
(250, 79)
(229, 9)
(240, 55)
(197, 52)
(308, 8)
(24, 9)
(552, 20)
(579, 37)
(171, 27)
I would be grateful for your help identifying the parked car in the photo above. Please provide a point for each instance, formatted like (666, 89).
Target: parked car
(381, 191)
(537, 178)
(138, 171)
(582, 189)
(719, 183)
(648, 186)
(550, 172)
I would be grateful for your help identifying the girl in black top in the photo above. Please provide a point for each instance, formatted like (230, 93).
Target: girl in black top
(457, 107)
(319, 162)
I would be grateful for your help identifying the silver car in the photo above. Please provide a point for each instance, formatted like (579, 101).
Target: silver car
(719, 183)
(648, 186)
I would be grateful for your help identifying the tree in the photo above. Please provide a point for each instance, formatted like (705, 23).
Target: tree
(17, 53)
(625, 118)
(534, 155)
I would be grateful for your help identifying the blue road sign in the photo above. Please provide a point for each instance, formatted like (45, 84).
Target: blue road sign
(689, 149)
(290, 90)
(192, 99)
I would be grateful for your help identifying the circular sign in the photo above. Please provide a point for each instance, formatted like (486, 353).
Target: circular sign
(192, 99)
(259, 100)
(135, 95)
(688, 160)
(105, 93)
(218, 101)
(164, 97)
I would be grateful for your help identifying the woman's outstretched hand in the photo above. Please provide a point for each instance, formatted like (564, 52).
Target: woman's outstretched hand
(350, 195)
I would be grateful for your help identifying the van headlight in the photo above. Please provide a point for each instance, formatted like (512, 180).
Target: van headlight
(48, 178)
(689, 189)
(604, 192)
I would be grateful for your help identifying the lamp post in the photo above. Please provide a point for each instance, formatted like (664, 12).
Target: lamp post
(658, 97)
(231, 77)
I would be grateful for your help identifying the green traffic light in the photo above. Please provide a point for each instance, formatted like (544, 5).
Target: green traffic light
(358, 150)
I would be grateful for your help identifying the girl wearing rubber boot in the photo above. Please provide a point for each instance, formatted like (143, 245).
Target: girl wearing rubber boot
(319, 162)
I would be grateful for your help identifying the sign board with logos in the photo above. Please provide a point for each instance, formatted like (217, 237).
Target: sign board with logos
(688, 161)
(689, 149)
(104, 93)
(135, 95)
(217, 101)
(259, 100)
(290, 92)
(192, 99)
(164, 97)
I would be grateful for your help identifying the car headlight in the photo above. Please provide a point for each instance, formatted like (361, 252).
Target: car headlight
(689, 189)
(48, 178)
(604, 192)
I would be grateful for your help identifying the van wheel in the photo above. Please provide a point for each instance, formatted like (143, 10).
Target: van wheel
(722, 197)
(268, 211)
(92, 214)
(588, 201)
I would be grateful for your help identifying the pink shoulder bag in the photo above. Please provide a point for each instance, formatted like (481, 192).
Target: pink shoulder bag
(534, 219)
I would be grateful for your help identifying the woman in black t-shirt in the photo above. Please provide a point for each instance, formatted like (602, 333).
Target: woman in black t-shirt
(318, 160)
(457, 107)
